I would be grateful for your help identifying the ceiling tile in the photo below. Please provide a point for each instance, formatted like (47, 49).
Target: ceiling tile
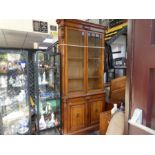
(20, 39)
(16, 36)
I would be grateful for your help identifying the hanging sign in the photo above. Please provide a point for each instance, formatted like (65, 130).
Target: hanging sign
(40, 26)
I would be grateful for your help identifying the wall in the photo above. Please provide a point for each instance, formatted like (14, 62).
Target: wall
(24, 25)
(119, 45)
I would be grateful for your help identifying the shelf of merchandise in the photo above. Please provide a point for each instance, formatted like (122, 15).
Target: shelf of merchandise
(43, 98)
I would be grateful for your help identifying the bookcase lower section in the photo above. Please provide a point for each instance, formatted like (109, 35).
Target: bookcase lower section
(80, 115)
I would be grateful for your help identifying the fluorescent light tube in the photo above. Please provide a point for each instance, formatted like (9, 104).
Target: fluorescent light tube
(43, 48)
(48, 40)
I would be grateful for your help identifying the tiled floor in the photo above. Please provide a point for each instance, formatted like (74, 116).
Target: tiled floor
(94, 133)
(50, 132)
(56, 132)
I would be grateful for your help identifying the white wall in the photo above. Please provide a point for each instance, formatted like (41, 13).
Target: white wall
(119, 45)
(24, 25)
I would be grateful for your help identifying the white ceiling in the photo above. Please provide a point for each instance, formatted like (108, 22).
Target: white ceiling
(21, 39)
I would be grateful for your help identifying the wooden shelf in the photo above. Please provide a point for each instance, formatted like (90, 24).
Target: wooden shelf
(75, 91)
(94, 77)
(46, 69)
(94, 58)
(75, 58)
(76, 78)
(49, 98)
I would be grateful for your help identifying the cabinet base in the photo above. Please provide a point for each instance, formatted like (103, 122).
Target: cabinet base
(84, 131)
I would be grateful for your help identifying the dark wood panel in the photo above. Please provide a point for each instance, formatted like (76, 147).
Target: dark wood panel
(141, 78)
(137, 131)
(128, 91)
(150, 116)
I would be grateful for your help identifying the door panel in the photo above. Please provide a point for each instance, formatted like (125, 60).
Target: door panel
(76, 115)
(142, 71)
(96, 107)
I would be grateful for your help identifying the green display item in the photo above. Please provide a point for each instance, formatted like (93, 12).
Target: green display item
(53, 103)
(3, 56)
(40, 108)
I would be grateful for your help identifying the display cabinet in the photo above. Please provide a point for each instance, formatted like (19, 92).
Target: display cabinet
(47, 90)
(81, 45)
(14, 93)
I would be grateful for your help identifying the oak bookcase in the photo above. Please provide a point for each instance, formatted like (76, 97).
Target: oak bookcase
(81, 45)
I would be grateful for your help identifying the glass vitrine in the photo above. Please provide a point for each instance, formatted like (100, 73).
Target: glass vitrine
(94, 61)
(75, 48)
(14, 94)
(48, 103)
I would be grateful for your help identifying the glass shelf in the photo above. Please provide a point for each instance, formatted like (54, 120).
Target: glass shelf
(76, 78)
(3, 74)
(75, 58)
(46, 68)
(49, 98)
(94, 58)
(43, 84)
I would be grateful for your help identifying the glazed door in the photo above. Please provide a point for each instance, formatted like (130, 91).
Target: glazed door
(141, 72)
(95, 61)
(75, 61)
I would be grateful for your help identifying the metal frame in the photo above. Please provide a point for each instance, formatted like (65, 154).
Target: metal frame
(120, 32)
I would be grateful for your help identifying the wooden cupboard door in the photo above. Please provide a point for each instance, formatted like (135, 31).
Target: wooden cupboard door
(96, 107)
(77, 115)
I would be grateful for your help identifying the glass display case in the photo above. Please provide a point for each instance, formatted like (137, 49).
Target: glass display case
(14, 94)
(47, 90)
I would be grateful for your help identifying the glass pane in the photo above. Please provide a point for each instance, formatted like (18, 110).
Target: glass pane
(49, 90)
(75, 61)
(75, 69)
(14, 107)
(75, 37)
(94, 61)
